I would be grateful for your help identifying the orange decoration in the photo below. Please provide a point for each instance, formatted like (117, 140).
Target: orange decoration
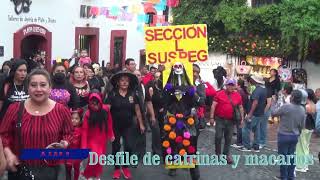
(182, 152)
(190, 121)
(167, 127)
(172, 135)
(166, 144)
(172, 120)
(186, 142)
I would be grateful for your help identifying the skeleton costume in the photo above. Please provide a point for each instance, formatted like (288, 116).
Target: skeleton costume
(180, 132)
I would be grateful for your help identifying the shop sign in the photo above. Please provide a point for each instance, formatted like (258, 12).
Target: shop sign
(34, 29)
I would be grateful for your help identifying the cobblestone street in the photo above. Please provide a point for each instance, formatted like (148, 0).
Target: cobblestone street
(242, 172)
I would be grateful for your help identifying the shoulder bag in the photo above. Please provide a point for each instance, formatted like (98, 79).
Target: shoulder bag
(24, 172)
(236, 111)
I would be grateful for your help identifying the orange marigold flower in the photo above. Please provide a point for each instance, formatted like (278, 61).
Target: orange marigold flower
(190, 121)
(182, 152)
(167, 127)
(172, 120)
(172, 135)
(186, 142)
(166, 144)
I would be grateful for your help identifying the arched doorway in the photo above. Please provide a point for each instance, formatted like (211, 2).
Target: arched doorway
(30, 39)
(31, 44)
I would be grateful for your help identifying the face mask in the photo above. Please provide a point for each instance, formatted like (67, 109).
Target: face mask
(59, 77)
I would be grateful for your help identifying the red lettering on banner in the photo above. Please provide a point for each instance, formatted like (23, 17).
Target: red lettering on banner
(192, 54)
(165, 57)
(149, 35)
(175, 35)
(157, 34)
(172, 55)
(165, 37)
(176, 45)
(204, 57)
(194, 32)
(152, 57)
(203, 32)
(183, 55)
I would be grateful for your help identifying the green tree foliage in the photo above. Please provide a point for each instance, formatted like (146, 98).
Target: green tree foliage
(269, 30)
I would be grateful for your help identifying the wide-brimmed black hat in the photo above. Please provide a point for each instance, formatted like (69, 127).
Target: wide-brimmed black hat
(133, 79)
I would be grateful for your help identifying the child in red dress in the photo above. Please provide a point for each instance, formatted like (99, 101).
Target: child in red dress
(97, 128)
(76, 116)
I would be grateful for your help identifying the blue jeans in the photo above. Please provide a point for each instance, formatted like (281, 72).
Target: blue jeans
(264, 128)
(253, 126)
(287, 146)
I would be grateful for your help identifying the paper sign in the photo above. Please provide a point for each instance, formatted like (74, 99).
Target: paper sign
(142, 18)
(184, 43)
(114, 11)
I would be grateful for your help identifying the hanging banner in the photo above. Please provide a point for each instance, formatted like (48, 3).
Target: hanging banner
(184, 43)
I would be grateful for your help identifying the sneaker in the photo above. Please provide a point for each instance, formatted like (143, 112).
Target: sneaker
(256, 150)
(236, 146)
(126, 173)
(277, 177)
(116, 174)
(261, 146)
(303, 170)
(243, 149)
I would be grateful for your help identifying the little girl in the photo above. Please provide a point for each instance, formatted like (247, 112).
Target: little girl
(76, 116)
(97, 129)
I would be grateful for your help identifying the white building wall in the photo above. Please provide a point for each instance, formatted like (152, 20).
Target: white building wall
(313, 72)
(67, 16)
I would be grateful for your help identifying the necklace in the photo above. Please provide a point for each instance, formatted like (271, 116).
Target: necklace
(15, 87)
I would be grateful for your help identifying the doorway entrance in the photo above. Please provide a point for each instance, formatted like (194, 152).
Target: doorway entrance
(118, 43)
(30, 39)
(31, 45)
(88, 38)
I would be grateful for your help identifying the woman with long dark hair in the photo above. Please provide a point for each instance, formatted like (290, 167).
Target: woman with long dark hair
(15, 87)
(62, 91)
(273, 83)
(97, 128)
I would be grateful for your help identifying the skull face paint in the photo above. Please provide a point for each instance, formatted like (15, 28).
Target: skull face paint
(178, 68)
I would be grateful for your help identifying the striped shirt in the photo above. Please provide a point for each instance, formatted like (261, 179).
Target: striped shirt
(36, 131)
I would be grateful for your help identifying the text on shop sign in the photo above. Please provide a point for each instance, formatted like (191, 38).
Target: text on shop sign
(186, 43)
(34, 29)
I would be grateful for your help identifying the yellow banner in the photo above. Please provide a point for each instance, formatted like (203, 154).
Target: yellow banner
(183, 43)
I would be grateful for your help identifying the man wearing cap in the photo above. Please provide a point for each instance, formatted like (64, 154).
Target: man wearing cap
(222, 114)
(257, 104)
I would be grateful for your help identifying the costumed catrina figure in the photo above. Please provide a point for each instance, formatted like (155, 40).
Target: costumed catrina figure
(180, 131)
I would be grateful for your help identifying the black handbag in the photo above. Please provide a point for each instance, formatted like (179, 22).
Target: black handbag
(24, 172)
(236, 111)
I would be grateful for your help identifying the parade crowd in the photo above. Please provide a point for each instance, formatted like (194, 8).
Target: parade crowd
(86, 105)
